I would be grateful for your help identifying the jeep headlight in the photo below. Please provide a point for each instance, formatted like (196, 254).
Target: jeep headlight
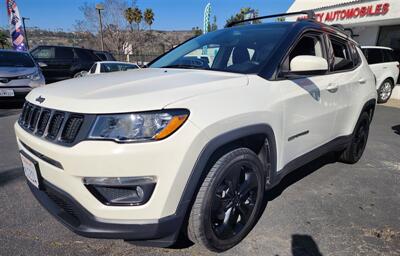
(34, 76)
(134, 127)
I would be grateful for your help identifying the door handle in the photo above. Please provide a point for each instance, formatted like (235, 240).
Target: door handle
(332, 88)
(385, 67)
(362, 81)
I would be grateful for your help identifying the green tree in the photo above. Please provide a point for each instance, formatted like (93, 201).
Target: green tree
(197, 31)
(241, 16)
(137, 17)
(149, 17)
(214, 25)
(129, 16)
(4, 40)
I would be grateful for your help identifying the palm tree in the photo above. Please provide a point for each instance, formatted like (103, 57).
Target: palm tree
(241, 16)
(129, 16)
(149, 17)
(137, 17)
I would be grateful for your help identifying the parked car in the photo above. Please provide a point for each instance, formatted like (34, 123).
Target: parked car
(105, 56)
(181, 147)
(19, 74)
(111, 66)
(385, 67)
(64, 62)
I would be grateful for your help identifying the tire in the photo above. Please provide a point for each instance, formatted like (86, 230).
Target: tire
(80, 74)
(385, 91)
(221, 217)
(356, 147)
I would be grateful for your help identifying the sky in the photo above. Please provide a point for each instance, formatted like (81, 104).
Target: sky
(169, 14)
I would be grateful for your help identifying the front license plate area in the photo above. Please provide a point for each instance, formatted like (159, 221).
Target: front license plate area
(31, 170)
(7, 93)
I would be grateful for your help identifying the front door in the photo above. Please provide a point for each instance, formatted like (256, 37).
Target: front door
(309, 104)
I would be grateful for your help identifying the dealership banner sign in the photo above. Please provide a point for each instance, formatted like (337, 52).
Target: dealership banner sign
(15, 24)
(351, 13)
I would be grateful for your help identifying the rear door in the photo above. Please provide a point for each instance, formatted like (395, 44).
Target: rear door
(350, 79)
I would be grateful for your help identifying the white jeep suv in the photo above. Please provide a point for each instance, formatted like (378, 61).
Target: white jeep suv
(191, 145)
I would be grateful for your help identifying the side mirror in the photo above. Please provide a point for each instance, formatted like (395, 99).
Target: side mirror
(307, 64)
(42, 64)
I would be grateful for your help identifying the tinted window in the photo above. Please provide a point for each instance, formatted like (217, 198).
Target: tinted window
(16, 59)
(342, 59)
(215, 49)
(102, 56)
(114, 67)
(355, 54)
(64, 53)
(86, 55)
(374, 56)
(93, 69)
(44, 53)
(308, 45)
(388, 56)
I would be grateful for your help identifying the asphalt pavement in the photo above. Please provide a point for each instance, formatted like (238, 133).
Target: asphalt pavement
(323, 208)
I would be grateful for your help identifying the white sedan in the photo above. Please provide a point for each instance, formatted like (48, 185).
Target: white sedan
(111, 66)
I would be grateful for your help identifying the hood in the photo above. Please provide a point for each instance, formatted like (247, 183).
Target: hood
(134, 90)
(16, 71)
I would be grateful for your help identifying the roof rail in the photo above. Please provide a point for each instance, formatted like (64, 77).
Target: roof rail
(310, 15)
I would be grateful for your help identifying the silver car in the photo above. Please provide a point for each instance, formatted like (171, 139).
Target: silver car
(19, 74)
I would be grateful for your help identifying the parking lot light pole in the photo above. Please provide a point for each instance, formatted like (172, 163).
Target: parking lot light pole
(25, 32)
(99, 8)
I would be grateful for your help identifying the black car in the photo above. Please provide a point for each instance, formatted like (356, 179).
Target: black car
(105, 56)
(64, 62)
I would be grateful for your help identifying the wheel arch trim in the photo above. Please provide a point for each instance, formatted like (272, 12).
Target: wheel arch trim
(199, 170)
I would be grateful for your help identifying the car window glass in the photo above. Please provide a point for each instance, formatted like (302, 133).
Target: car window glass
(16, 59)
(355, 54)
(308, 45)
(249, 51)
(64, 53)
(114, 67)
(202, 57)
(374, 56)
(221, 44)
(86, 55)
(44, 53)
(93, 69)
(342, 59)
(388, 56)
(102, 56)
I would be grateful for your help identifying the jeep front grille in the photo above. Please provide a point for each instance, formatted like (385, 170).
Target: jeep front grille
(60, 127)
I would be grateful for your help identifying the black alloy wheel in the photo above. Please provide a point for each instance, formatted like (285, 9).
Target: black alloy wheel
(228, 203)
(234, 201)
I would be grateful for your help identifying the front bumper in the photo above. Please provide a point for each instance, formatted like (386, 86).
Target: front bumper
(64, 168)
(19, 94)
(67, 210)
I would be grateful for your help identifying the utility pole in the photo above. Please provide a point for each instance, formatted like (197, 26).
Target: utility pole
(99, 8)
(25, 32)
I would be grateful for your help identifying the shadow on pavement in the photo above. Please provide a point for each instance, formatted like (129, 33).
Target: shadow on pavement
(299, 174)
(396, 129)
(304, 245)
(10, 175)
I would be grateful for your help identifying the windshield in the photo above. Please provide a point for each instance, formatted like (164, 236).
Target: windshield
(16, 59)
(242, 49)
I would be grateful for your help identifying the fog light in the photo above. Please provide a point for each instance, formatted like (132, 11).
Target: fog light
(121, 191)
